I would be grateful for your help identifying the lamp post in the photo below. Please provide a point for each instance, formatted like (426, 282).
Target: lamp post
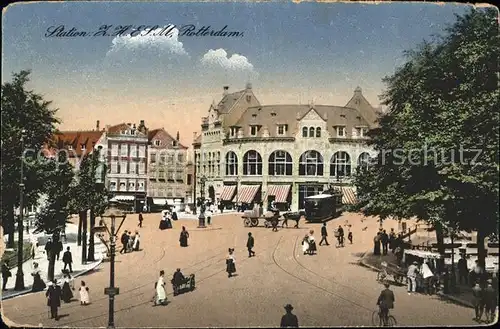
(113, 213)
(20, 275)
(201, 218)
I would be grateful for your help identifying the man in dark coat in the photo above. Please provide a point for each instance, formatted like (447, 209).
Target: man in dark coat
(490, 301)
(289, 320)
(48, 247)
(384, 238)
(324, 234)
(67, 260)
(6, 274)
(463, 271)
(478, 300)
(58, 248)
(140, 219)
(250, 244)
(392, 240)
(54, 299)
(340, 231)
(385, 302)
(124, 241)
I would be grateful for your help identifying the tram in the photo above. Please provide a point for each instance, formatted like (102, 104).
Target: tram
(322, 207)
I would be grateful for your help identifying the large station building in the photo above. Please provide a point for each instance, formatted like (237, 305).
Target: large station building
(248, 152)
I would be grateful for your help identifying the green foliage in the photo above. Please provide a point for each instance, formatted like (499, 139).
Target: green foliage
(443, 104)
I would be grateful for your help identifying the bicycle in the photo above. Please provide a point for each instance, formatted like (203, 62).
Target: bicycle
(378, 321)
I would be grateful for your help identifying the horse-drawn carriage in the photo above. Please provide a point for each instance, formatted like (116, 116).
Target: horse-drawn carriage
(271, 218)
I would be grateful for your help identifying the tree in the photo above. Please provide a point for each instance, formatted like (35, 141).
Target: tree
(52, 218)
(22, 109)
(438, 143)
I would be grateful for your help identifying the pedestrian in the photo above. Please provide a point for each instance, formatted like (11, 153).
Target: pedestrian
(130, 241)
(48, 247)
(183, 239)
(6, 274)
(84, 294)
(478, 273)
(340, 231)
(140, 219)
(384, 239)
(208, 215)
(230, 263)
(161, 295)
(58, 246)
(490, 301)
(463, 271)
(324, 234)
(289, 320)
(412, 277)
(38, 284)
(53, 295)
(376, 244)
(392, 240)
(137, 241)
(250, 244)
(349, 234)
(124, 241)
(478, 293)
(312, 243)
(67, 288)
(67, 260)
(427, 276)
(305, 244)
(285, 222)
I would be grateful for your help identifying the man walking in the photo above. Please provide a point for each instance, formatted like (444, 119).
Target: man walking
(392, 240)
(58, 248)
(478, 294)
(490, 301)
(340, 232)
(250, 244)
(140, 219)
(54, 299)
(463, 271)
(48, 247)
(124, 241)
(67, 260)
(6, 274)
(289, 320)
(385, 241)
(324, 234)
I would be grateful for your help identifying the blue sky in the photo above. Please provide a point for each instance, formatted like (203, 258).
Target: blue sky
(289, 52)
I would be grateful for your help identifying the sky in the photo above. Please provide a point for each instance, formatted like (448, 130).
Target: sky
(290, 52)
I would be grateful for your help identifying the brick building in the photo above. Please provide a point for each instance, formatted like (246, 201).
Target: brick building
(248, 152)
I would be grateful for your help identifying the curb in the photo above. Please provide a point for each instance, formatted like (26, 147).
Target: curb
(25, 292)
(441, 294)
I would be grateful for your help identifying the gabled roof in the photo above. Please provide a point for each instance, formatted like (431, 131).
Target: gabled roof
(117, 128)
(359, 102)
(76, 139)
(155, 132)
(228, 101)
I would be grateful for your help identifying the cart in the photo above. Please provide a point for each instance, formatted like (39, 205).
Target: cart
(253, 221)
(398, 274)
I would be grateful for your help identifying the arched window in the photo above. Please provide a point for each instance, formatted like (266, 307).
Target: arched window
(340, 165)
(252, 163)
(311, 164)
(311, 132)
(318, 132)
(280, 164)
(231, 164)
(363, 161)
(304, 132)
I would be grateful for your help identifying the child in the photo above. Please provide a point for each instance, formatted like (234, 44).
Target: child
(84, 294)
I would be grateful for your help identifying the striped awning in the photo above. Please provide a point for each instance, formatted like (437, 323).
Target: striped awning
(279, 191)
(247, 193)
(227, 193)
(348, 195)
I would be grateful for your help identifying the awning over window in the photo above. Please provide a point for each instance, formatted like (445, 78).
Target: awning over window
(227, 193)
(348, 195)
(247, 193)
(123, 198)
(279, 191)
(159, 201)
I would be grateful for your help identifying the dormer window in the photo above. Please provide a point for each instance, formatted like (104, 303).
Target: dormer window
(254, 115)
(282, 130)
(254, 130)
(70, 147)
(273, 114)
(361, 131)
(83, 147)
(157, 143)
(233, 131)
(340, 131)
(174, 143)
(249, 98)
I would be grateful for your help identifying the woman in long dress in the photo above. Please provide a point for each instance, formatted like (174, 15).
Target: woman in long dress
(312, 243)
(161, 295)
(38, 284)
(67, 294)
(137, 241)
(230, 263)
(305, 244)
(184, 237)
(84, 294)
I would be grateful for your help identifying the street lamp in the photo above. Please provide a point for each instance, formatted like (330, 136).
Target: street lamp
(20, 275)
(201, 218)
(112, 212)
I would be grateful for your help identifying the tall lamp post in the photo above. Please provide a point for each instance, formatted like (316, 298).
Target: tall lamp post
(112, 213)
(20, 275)
(201, 218)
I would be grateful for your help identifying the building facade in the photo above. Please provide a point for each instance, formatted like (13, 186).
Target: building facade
(167, 169)
(248, 152)
(126, 151)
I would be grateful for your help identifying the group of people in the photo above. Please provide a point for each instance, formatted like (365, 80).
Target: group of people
(55, 294)
(178, 279)
(166, 219)
(421, 278)
(309, 243)
(383, 242)
(130, 242)
(485, 300)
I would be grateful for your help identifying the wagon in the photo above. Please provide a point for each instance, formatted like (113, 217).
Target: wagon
(388, 269)
(252, 220)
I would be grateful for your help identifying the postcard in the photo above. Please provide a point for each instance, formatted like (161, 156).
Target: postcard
(249, 164)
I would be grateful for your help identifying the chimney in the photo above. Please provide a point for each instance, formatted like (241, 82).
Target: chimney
(107, 128)
(195, 135)
(358, 90)
(141, 123)
(178, 136)
(249, 85)
(226, 88)
(97, 125)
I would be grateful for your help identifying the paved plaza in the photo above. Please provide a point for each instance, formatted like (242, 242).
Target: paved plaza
(327, 289)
